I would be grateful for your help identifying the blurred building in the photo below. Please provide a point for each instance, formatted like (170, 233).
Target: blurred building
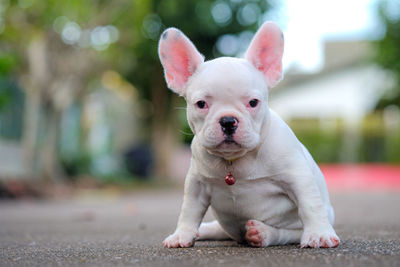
(338, 98)
(94, 132)
(348, 86)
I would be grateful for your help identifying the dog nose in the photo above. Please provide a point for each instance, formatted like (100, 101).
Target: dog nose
(228, 125)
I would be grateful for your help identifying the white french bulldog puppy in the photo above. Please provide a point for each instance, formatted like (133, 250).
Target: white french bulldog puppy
(262, 184)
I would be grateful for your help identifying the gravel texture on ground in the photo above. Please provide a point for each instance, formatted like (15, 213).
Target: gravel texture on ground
(110, 230)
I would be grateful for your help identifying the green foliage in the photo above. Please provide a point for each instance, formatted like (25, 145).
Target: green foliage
(5, 97)
(322, 143)
(388, 49)
(374, 141)
(195, 19)
(7, 63)
(11, 109)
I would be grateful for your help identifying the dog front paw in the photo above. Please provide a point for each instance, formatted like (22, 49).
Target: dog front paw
(325, 238)
(180, 239)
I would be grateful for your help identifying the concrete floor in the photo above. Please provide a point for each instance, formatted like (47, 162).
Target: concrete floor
(107, 230)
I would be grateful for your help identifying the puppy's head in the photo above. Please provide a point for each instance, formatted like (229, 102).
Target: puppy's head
(227, 98)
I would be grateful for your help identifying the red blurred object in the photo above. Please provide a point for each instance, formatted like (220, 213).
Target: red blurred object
(362, 177)
(229, 179)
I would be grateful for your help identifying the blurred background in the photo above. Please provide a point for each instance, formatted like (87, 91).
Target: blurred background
(83, 99)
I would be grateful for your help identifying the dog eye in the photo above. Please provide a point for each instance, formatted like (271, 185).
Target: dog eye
(253, 103)
(201, 104)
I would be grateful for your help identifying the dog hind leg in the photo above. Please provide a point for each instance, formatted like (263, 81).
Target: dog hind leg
(212, 231)
(261, 235)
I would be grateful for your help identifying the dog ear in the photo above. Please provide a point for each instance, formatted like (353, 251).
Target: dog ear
(179, 58)
(265, 52)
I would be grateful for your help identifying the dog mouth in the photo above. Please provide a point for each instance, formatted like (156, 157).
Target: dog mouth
(228, 148)
(229, 142)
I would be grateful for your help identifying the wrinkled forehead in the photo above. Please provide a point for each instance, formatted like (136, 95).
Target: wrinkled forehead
(227, 76)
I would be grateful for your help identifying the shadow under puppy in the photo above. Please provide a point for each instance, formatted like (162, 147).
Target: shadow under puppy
(262, 184)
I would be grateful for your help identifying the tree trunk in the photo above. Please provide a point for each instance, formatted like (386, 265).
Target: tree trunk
(164, 128)
(40, 152)
(30, 130)
(50, 169)
(36, 77)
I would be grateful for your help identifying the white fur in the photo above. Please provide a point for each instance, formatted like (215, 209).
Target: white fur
(280, 195)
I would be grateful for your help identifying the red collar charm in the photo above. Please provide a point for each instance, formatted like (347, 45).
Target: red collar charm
(229, 179)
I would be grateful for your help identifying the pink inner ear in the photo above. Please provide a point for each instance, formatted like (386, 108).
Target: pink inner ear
(179, 58)
(177, 64)
(265, 52)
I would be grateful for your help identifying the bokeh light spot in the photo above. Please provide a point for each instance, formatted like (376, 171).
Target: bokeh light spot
(248, 14)
(59, 24)
(100, 38)
(151, 26)
(228, 44)
(71, 33)
(221, 12)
